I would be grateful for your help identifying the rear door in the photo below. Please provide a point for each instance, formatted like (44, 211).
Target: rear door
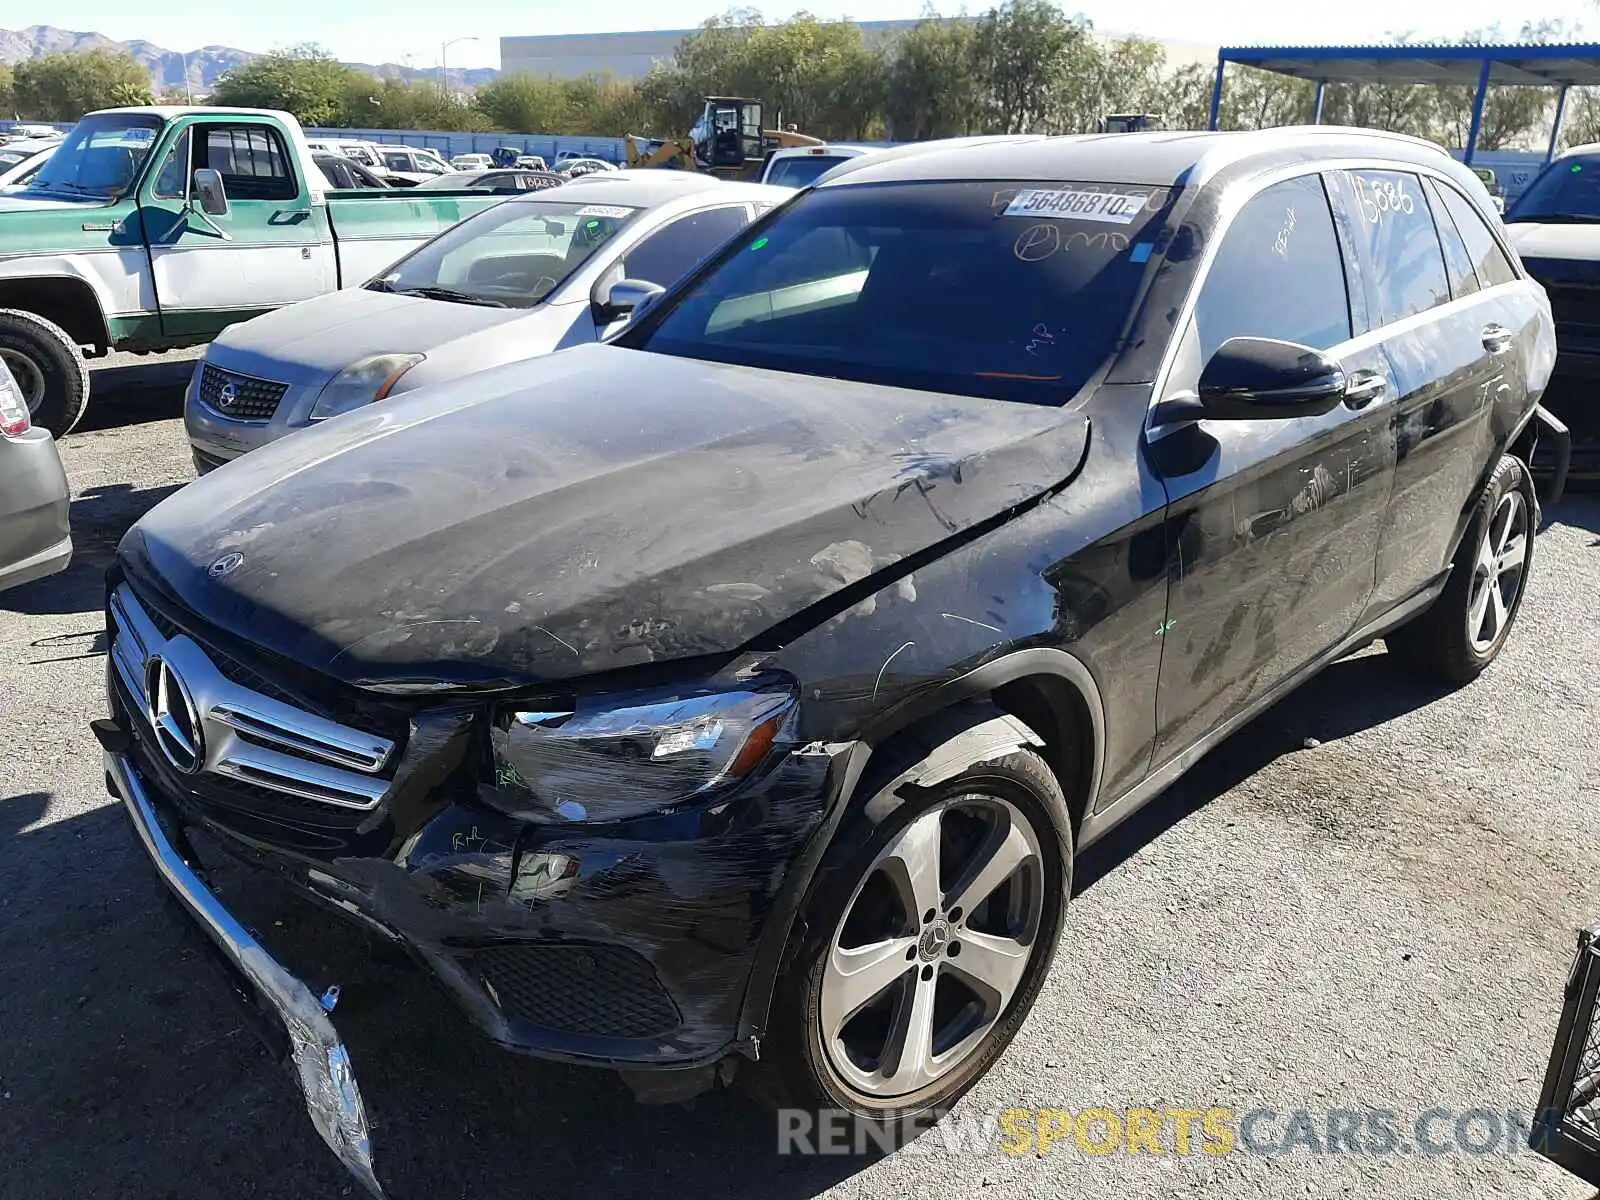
(1272, 524)
(1435, 326)
(272, 246)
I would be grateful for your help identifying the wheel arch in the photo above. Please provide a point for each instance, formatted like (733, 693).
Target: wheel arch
(1041, 698)
(62, 298)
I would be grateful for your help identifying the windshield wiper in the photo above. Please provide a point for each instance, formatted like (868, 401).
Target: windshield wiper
(444, 293)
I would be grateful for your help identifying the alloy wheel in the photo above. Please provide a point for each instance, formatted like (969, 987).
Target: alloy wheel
(1498, 571)
(936, 940)
(29, 377)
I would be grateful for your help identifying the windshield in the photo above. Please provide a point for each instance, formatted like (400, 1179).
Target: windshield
(1567, 190)
(514, 254)
(802, 169)
(101, 156)
(1013, 292)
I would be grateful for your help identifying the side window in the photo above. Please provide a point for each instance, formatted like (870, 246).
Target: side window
(1396, 229)
(1492, 265)
(252, 161)
(172, 183)
(670, 252)
(1277, 273)
(1457, 260)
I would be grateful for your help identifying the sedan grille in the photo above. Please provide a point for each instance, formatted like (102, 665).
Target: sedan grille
(206, 723)
(242, 397)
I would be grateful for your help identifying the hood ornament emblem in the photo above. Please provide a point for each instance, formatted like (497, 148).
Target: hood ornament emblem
(226, 565)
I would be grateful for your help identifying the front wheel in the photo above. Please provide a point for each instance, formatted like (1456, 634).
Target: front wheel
(48, 368)
(1466, 627)
(929, 939)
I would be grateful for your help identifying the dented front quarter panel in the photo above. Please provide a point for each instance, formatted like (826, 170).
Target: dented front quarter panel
(1083, 572)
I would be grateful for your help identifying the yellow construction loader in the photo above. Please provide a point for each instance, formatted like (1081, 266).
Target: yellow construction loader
(728, 140)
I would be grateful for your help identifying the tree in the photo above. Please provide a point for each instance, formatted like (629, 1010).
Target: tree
(930, 85)
(524, 103)
(62, 87)
(1024, 50)
(8, 99)
(304, 80)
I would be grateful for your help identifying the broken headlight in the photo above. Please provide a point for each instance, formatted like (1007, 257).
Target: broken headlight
(609, 758)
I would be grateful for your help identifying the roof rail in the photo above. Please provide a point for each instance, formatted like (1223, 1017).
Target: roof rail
(1355, 131)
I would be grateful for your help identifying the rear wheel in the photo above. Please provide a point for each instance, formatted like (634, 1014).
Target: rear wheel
(1466, 627)
(48, 368)
(929, 939)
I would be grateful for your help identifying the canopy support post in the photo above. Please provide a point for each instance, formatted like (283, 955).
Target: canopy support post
(1216, 93)
(1555, 125)
(1316, 108)
(1477, 111)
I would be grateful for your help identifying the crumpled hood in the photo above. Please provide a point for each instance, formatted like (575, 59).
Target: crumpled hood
(324, 335)
(1575, 242)
(596, 508)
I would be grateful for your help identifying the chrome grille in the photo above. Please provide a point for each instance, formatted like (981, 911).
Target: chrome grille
(237, 732)
(242, 397)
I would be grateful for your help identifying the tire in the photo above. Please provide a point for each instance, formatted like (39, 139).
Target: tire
(802, 1067)
(1453, 641)
(48, 367)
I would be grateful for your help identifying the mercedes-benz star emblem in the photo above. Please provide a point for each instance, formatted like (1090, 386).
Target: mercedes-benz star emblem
(225, 565)
(174, 717)
(227, 396)
(933, 940)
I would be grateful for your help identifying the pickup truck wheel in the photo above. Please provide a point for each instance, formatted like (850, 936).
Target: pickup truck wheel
(927, 939)
(1466, 627)
(47, 366)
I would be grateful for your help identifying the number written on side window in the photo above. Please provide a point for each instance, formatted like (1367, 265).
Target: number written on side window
(1396, 228)
(1278, 273)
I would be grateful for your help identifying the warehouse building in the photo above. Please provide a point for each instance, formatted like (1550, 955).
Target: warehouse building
(631, 55)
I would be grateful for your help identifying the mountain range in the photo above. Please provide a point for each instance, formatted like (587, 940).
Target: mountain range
(205, 65)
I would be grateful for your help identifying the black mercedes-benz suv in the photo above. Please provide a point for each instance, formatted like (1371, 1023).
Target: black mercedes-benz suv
(740, 691)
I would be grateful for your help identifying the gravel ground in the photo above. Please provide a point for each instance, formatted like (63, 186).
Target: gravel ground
(1366, 899)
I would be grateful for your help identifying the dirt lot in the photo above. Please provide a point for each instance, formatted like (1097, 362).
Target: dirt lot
(1366, 899)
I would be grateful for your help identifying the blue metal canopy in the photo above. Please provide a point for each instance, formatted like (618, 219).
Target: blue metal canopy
(1557, 65)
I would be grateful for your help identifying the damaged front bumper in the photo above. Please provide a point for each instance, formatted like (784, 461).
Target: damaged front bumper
(297, 1028)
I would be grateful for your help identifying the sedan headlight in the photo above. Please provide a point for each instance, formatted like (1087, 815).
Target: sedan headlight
(362, 382)
(612, 758)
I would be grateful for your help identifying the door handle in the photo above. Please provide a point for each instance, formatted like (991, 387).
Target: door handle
(1496, 339)
(1363, 387)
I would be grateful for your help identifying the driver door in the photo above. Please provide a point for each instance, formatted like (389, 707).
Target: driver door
(272, 246)
(1273, 524)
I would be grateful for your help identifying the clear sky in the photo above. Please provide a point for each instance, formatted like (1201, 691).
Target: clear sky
(402, 30)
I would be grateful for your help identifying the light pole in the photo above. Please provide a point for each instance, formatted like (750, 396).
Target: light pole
(444, 68)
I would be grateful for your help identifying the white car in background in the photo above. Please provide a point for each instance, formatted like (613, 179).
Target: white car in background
(21, 159)
(801, 166)
(365, 153)
(472, 162)
(411, 164)
(536, 273)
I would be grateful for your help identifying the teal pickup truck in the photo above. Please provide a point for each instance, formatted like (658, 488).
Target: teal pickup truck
(152, 229)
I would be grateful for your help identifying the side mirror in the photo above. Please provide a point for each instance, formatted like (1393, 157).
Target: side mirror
(1261, 379)
(213, 196)
(617, 298)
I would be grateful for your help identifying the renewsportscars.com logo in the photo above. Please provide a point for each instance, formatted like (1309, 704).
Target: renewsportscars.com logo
(1099, 1131)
